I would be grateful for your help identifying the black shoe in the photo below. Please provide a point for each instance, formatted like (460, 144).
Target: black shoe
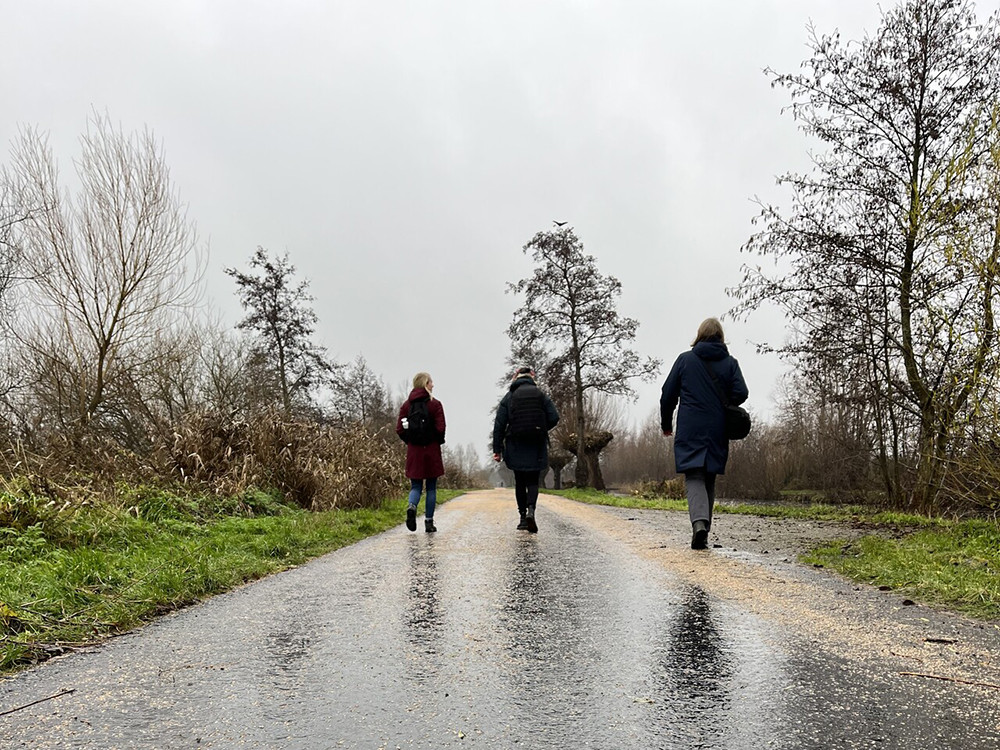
(529, 521)
(411, 518)
(699, 539)
(429, 525)
(522, 524)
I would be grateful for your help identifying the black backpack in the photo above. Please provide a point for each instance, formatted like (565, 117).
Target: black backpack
(420, 428)
(526, 413)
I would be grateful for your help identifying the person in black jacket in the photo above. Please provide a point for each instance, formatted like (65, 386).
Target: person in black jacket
(521, 435)
(701, 448)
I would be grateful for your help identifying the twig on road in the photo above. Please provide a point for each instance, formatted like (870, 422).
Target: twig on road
(950, 679)
(35, 703)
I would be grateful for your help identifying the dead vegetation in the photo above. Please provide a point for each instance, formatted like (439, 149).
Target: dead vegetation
(319, 467)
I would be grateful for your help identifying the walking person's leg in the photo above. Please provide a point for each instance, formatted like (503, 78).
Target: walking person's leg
(531, 500)
(710, 491)
(699, 506)
(416, 486)
(521, 495)
(429, 505)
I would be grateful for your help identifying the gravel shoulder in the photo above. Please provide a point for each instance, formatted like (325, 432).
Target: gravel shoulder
(753, 563)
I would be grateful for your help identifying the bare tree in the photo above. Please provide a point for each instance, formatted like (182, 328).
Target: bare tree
(638, 454)
(570, 311)
(605, 420)
(282, 321)
(233, 383)
(108, 269)
(11, 271)
(888, 254)
(10, 251)
(463, 467)
(362, 396)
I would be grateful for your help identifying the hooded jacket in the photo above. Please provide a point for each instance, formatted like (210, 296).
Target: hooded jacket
(700, 438)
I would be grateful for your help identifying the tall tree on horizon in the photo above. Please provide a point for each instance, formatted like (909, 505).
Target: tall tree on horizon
(570, 312)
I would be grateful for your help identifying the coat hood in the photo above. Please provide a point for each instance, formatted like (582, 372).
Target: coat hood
(522, 380)
(711, 349)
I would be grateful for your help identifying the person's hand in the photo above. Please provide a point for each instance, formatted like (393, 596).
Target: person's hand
(496, 457)
(668, 433)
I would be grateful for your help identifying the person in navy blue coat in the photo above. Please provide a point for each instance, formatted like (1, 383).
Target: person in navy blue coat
(701, 448)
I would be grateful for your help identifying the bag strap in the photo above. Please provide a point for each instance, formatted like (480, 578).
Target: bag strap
(715, 382)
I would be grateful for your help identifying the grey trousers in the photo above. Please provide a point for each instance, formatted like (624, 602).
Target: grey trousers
(700, 487)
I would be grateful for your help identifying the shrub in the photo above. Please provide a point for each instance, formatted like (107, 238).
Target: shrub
(318, 466)
(651, 490)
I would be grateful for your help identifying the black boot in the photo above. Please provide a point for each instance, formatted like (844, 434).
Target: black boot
(521, 511)
(429, 525)
(699, 537)
(529, 520)
(411, 517)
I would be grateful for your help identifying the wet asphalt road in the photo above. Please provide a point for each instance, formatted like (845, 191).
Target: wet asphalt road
(481, 636)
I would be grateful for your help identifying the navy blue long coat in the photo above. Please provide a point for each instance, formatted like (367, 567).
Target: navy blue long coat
(700, 438)
(522, 454)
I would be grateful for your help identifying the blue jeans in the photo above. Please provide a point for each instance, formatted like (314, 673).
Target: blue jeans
(416, 486)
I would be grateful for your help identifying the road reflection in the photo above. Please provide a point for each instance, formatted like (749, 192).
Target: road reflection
(697, 659)
(423, 613)
(548, 664)
(696, 671)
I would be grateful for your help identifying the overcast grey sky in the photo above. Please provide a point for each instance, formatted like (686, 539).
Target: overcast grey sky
(387, 145)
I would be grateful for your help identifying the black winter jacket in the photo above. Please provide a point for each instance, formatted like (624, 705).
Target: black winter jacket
(522, 454)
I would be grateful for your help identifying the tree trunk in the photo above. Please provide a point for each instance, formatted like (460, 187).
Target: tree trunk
(594, 470)
(582, 474)
(930, 469)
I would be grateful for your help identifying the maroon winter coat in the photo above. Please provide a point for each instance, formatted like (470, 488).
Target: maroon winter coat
(423, 461)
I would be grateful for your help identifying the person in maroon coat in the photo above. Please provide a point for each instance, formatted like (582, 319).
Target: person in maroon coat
(423, 459)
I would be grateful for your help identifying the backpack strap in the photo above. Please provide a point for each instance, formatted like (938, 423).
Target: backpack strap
(715, 381)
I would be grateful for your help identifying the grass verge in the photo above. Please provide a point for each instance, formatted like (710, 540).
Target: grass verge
(950, 565)
(946, 564)
(71, 578)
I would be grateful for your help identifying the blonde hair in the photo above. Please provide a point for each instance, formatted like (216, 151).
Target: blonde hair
(420, 380)
(710, 328)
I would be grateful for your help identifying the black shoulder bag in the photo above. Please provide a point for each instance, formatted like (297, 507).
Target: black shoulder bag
(737, 418)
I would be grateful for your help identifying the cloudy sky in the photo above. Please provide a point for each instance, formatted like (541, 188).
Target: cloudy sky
(403, 153)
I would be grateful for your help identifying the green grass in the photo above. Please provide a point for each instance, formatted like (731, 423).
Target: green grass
(947, 564)
(73, 577)
(596, 497)
(950, 565)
